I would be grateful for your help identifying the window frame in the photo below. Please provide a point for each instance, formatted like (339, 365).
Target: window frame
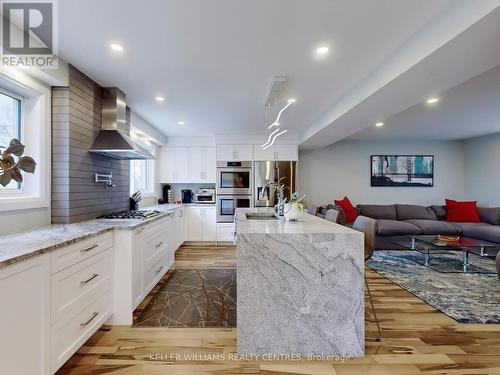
(36, 135)
(20, 98)
(150, 175)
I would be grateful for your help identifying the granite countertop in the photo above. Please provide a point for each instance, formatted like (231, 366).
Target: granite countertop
(20, 246)
(308, 224)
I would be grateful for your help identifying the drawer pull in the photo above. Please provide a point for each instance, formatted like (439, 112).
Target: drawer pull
(159, 244)
(88, 321)
(159, 269)
(89, 280)
(88, 248)
(139, 231)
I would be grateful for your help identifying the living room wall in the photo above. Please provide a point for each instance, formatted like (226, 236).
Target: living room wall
(482, 170)
(344, 169)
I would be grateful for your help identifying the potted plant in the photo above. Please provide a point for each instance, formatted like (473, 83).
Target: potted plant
(10, 168)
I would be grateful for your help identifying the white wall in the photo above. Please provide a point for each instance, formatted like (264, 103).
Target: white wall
(482, 170)
(344, 169)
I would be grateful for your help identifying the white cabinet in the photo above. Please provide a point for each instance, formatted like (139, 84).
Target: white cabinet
(225, 232)
(187, 164)
(180, 225)
(145, 255)
(174, 164)
(25, 317)
(276, 152)
(287, 152)
(81, 294)
(202, 223)
(235, 152)
(202, 164)
(209, 224)
(263, 155)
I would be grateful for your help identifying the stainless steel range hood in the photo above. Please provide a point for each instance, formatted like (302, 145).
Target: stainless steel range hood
(113, 140)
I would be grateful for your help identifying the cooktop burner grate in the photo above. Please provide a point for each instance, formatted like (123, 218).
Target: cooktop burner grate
(133, 214)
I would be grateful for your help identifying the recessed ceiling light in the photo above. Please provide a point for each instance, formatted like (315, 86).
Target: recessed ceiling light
(322, 50)
(379, 124)
(180, 122)
(160, 98)
(116, 47)
(432, 100)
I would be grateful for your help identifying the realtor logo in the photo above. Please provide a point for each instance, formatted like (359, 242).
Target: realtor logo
(29, 34)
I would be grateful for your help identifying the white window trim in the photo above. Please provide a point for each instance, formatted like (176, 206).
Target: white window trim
(150, 193)
(14, 192)
(36, 137)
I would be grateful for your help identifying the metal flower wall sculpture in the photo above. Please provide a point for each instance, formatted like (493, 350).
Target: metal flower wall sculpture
(10, 168)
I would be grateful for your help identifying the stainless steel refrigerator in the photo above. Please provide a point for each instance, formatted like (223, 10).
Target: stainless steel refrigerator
(265, 171)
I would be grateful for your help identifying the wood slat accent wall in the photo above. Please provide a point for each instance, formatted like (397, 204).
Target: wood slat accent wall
(76, 121)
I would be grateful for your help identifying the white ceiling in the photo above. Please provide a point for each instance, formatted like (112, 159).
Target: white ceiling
(468, 110)
(214, 60)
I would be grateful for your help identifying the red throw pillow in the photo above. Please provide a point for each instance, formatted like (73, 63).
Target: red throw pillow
(461, 212)
(350, 212)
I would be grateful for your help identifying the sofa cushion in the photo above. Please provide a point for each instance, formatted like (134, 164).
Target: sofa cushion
(435, 227)
(480, 231)
(410, 211)
(396, 228)
(490, 215)
(486, 232)
(462, 212)
(440, 212)
(376, 211)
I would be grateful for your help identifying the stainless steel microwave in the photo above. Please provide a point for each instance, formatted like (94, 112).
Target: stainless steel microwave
(234, 177)
(204, 196)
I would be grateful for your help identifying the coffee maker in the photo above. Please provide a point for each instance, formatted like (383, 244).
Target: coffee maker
(186, 195)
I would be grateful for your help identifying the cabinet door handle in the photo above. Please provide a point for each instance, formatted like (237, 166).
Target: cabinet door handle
(88, 321)
(159, 269)
(89, 248)
(89, 279)
(159, 244)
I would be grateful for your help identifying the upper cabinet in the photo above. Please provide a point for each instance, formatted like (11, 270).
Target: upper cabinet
(202, 164)
(174, 164)
(276, 152)
(235, 152)
(187, 164)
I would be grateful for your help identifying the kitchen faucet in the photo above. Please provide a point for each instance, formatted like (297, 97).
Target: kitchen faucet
(280, 188)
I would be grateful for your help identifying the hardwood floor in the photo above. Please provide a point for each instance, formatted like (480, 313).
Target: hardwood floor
(417, 340)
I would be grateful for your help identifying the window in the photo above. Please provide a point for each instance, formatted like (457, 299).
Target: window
(25, 114)
(139, 176)
(10, 127)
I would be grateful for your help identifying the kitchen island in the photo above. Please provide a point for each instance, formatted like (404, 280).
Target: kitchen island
(300, 286)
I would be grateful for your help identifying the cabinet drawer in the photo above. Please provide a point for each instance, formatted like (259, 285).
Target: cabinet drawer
(75, 285)
(154, 245)
(72, 254)
(150, 230)
(156, 270)
(70, 334)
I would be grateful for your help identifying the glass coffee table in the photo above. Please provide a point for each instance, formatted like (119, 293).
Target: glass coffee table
(433, 245)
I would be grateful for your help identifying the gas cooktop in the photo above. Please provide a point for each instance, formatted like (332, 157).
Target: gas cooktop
(133, 214)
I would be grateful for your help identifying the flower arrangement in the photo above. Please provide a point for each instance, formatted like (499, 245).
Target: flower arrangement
(10, 168)
(294, 199)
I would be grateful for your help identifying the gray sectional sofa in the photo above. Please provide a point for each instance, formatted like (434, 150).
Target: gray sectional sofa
(394, 222)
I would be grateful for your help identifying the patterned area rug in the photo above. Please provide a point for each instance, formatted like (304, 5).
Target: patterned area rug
(193, 298)
(467, 298)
